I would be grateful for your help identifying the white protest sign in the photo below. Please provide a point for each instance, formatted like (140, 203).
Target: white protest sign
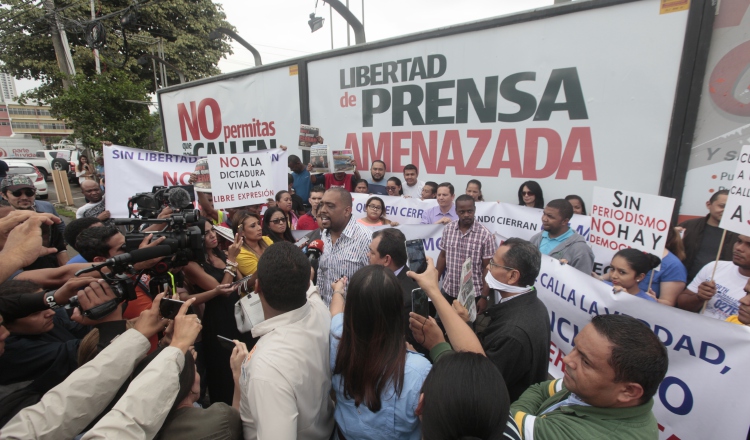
(706, 380)
(626, 219)
(132, 171)
(736, 216)
(248, 178)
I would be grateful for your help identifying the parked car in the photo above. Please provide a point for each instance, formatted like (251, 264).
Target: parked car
(63, 160)
(20, 166)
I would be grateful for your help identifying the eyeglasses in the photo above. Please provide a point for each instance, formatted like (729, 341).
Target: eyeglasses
(278, 221)
(28, 192)
(493, 264)
(527, 193)
(375, 207)
(391, 188)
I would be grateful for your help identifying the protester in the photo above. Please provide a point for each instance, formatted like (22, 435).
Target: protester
(361, 187)
(462, 239)
(375, 213)
(530, 195)
(394, 187)
(308, 221)
(95, 206)
(388, 249)
(743, 314)
(185, 420)
(275, 225)
(474, 189)
(577, 203)
(607, 390)
(286, 383)
(702, 236)
(377, 174)
(717, 295)
(74, 228)
(253, 242)
(99, 168)
(376, 379)
(84, 170)
(211, 276)
(298, 204)
(429, 191)
(301, 177)
(629, 267)
(20, 193)
(335, 180)
(517, 338)
(284, 202)
(560, 241)
(413, 186)
(445, 211)
(345, 242)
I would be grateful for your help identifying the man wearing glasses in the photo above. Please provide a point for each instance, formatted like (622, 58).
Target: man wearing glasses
(20, 193)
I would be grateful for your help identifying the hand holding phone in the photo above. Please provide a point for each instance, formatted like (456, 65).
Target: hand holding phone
(416, 256)
(225, 342)
(168, 308)
(419, 303)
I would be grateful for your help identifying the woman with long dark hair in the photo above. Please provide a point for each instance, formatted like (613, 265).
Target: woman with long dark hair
(284, 202)
(375, 213)
(629, 267)
(212, 275)
(276, 225)
(530, 194)
(376, 379)
(84, 170)
(247, 225)
(577, 202)
(394, 188)
(474, 189)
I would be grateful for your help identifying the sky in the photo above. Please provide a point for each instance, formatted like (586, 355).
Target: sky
(279, 29)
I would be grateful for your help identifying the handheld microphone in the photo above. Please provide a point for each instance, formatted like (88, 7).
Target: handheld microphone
(315, 247)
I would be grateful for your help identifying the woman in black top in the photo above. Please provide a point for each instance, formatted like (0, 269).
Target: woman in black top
(218, 316)
(275, 225)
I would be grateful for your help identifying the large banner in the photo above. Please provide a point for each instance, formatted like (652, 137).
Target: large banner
(253, 112)
(704, 393)
(570, 112)
(248, 178)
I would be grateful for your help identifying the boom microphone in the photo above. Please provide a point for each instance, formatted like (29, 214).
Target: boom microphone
(179, 199)
(140, 255)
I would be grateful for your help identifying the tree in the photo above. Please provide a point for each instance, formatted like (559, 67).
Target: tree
(26, 46)
(96, 109)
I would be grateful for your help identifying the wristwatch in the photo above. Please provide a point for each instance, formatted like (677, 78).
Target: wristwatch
(50, 297)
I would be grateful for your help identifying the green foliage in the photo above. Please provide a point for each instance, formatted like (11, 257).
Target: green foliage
(95, 108)
(27, 52)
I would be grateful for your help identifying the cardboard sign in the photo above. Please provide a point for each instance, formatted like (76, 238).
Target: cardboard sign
(736, 216)
(626, 219)
(245, 179)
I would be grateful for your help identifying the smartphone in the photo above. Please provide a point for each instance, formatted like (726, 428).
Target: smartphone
(243, 280)
(226, 342)
(46, 235)
(169, 308)
(419, 303)
(415, 255)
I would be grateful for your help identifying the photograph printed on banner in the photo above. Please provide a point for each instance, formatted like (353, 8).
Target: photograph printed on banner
(343, 161)
(319, 159)
(466, 290)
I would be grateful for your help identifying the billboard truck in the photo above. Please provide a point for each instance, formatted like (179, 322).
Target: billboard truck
(20, 148)
(599, 93)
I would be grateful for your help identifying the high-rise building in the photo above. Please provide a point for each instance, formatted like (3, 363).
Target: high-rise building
(7, 87)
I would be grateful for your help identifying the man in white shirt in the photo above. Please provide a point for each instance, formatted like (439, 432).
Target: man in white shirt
(286, 383)
(721, 295)
(412, 186)
(95, 206)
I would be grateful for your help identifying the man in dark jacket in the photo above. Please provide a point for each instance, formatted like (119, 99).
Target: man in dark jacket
(703, 235)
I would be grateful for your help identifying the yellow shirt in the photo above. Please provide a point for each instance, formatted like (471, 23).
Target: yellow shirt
(734, 319)
(247, 260)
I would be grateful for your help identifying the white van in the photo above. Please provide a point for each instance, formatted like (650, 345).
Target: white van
(19, 147)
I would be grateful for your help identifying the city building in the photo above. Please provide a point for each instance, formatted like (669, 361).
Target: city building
(7, 87)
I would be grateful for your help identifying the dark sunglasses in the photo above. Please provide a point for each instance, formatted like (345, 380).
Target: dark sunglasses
(28, 192)
(278, 221)
(527, 193)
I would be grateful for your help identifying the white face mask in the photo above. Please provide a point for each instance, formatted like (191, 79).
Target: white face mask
(502, 287)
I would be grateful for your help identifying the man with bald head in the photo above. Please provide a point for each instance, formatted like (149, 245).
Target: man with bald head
(95, 206)
(345, 242)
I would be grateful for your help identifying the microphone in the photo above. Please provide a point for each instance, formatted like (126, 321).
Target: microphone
(179, 199)
(315, 248)
(140, 255)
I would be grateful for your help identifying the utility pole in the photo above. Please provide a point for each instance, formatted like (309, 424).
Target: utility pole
(60, 43)
(96, 51)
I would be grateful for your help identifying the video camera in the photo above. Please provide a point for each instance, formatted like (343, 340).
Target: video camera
(150, 204)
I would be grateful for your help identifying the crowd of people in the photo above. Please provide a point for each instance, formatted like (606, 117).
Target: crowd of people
(336, 350)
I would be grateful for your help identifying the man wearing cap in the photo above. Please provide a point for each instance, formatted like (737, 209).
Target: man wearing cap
(20, 193)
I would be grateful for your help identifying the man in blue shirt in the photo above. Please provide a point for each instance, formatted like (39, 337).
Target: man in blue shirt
(559, 241)
(302, 183)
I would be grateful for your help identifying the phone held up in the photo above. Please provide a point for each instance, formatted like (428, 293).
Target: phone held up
(416, 256)
(225, 342)
(419, 303)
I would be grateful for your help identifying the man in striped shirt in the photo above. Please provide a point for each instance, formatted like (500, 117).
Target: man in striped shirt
(346, 243)
(610, 378)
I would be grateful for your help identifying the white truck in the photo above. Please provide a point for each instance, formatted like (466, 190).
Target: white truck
(20, 147)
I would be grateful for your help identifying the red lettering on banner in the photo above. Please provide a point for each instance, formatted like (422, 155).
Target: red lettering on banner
(171, 179)
(559, 161)
(189, 121)
(196, 122)
(558, 354)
